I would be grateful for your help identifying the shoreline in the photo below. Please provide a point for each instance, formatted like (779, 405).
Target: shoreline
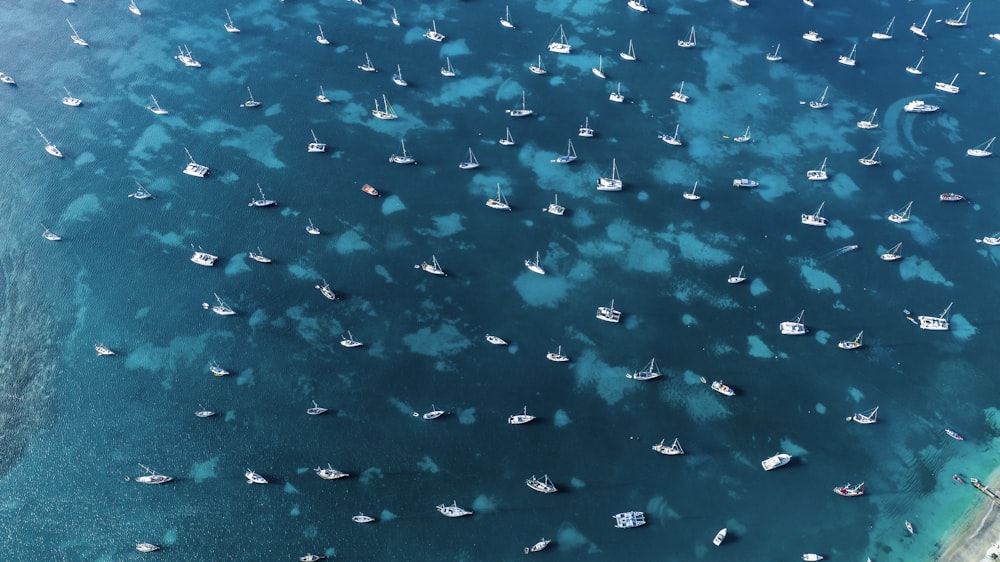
(974, 533)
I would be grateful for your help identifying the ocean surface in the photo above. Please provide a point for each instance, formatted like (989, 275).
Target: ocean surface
(76, 427)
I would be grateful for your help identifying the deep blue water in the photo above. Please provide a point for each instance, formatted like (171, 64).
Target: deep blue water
(121, 276)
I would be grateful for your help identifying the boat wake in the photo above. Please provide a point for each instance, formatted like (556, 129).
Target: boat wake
(838, 252)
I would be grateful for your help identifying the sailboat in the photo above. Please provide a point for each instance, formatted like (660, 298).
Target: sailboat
(745, 137)
(7, 79)
(471, 163)
(902, 215)
(433, 34)
(187, 59)
(538, 68)
(155, 108)
(628, 54)
(886, 34)
(673, 139)
(522, 418)
(869, 123)
(818, 175)
(535, 265)
(434, 268)
(447, 69)
(585, 130)
(867, 417)
(937, 323)
(250, 102)
(263, 201)
(221, 308)
(505, 20)
(775, 56)
(133, 8)
(368, 66)
(49, 146)
(500, 202)
(794, 327)
(871, 159)
(49, 235)
(691, 195)
(915, 69)
(555, 208)
(993, 240)
(962, 20)
(403, 158)
(569, 156)
(672, 449)
(397, 78)
(893, 253)
(679, 95)
(609, 314)
(315, 145)
(395, 18)
(349, 341)
(321, 38)
(691, 41)
(387, 112)
(258, 256)
(849, 59)
(557, 356)
(738, 278)
(821, 102)
(507, 140)
(140, 192)
(599, 69)
(312, 228)
(561, 46)
(852, 344)
(919, 31)
(948, 87)
(202, 258)
(617, 96)
(638, 5)
(76, 36)
(321, 98)
(982, 150)
(815, 219)
(612, 182)
(229, 25)
(326, 291)
(648, 373)
(70, 100)
(193, 168)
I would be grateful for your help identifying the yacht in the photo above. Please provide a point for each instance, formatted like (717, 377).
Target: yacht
(362, 518)
(201, 257)
(674, 139)
(50, 147)
(349, 340)
(948, 87)
(368, 66)
(903, 215)
(852, 344)
(523, 111)
(254, 478)
(821, 102)
(229, 25)
(720, 536)
(312, 228)
(629, 53)
(432, 414)
(495, 340)
(538, 68)
(544, 486)
(561, 45)
(738, 278)
(452, 510)
(316, 409)
(193, 168)
(470, 163)
(49, 235)
(919, 31)
(506, 21)
(585, 130)
(203, 413)
(871, 159)
(650, 372)
(140, 192)
(775, 56)
(745, 183)
(691, 41)
(507, 140)
(812, 36)
(534, 265)
(315, 145)
(330, 473)
(951, 197)
(555, 208)
(250, 103)
(263, 201)
(538, 546)
(612, 182)
(937, 323)
(522, 418)
(865, 418)
(434, 268)
(630, 519)
(723, 388)
(982, 150)
(102, 350)
(146, 547)
(76, 36)
(321, 98)
(397, 78)
(152, 477)
(818, 175)
(918, 106)
(403, 158)
(310, 557)
(155, 108)
(745, 137)
(187, 59)
(780, 459)
(638, 5)
(447, 70)
(258, 256)
(794, 327)
(321, 38)
(569, 156)
(220, 308)
(70, 100)
(6, 79)
(557, 356)
(499, 202)
(433, 34)
(815, 219)
(327, 291)
(617, 96)
(848, 59)
(672, 449)
(893, 254)
(871, 122)
(850, 491)
(678, 96)
(609, 314)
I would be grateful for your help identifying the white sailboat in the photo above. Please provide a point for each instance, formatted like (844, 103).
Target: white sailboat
(505, 20)
(315, 145)
(848, 59)
(673, 139)
(403, 158)
(538, 68)
(557, 356)
(202, 258)
(649, 372)
(775, 56)
(982, 150)
(140, 192)
(948, 87)
(395, 18)
(76, 36)
(349, 341)
(629, 53)
(368, 66)
(263, 201)
(229, 25)
(871, 159)
(321, 38)
(312, 228)
(598, 70)
(499, 202)
(507, 140)
(447, 70)
(672, 449)
(818, 175)
(741, 3)
(691, 195)
(7, 79)
(812, 36)
(522, 418)
(585, 130)
(49, 235)
(738, 278)
(821, 102)
(617, 96)
(679, 96)
(561, 45)
(963, 18)
(815, 219)
(936, 323)
(534, 265)
(852, 344)
(612, 182)
(870, 123)
(326, 291)
(993, 240)
(868, 417)
(915, 69)
(745, 137)
(609, 314)
(555, 208)
(638, 5)
(893, 253)
(434, 268)
(433, 34)
(386, 113)
(69, 100)
(187, 59)
(133, 8)
(193, 168)
(397, 78)
(155, 108)
(569, 156)
(903, 215)
(470, 163)
(794, 327)
(258, 256)
(691, 41)
(321, 98)
(885, 34)
(250, 102)
(919, 31)
(220, 308)
(49, 146)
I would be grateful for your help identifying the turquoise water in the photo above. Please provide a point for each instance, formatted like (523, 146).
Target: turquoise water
(76, 425)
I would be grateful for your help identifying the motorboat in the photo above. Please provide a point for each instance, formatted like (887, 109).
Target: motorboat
(720, 536)
(330, 473)
(723, 388)
(370, 190)
(495, 340)
(630, 519)
(918, 106)
(316, 409)
(310, 557)
(520, 419)
(852, 344)
(810, 557)
(812, 36)
(954, 435)
(152, 477)
(544, 485)
(779, 459)
(951, 197)
(672, 449)
(609, 314)
(794, 327)
(849, 491)
(649, 372)
(254, 478)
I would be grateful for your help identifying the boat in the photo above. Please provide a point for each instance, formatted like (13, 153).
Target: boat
(745, 182)
(679, 96)
(7, 79)
(395, 18)
(499, 202)
(915, 69)
(221, 308)
(523, 111)
(152, 477)
(738, 278)
(672, 449)
(871, 159)
(871, 122)
(133, 8)
(534, 265)
(102, 350)
(537, 68)
(673, 139)
(958, 479)
(585, 130)
(779, 459)
(321, 98)
(849, 491)
(951, 197)
(203, 413)
(609, 314)
(315, 145)
(330, 473)
(691, 41)
(815, 219)
(745, 137)
(433, 34)
(447, 69)
(495, 340)
(505, 20)
(893, 253)
(263, 201)
(818, 175)
(885, 34)
(544, 486)
(821, 102)
(312, 229)
(598, 70)
(368, 66)
(909, 526)
(691, 195)
(193, 168)
(316, 409)
(258, 256)
(810, 557)
(49, 235)
(146, 547)
(397, 78)
(254, 478)
(902, 215)
(434, 268)
(919, 31)
(775, 56)
(557, 356)
(561, 45)
(612, 182)
(555, 208)
(569, 156)
(51, 148)
(629, 53)
(452, 510)
(403, 158)
(990, 240)
(76, 36)
(470, 163)
(70, 100)
(963, 18)
(326, 291)
(202, 257)
(983, 150)
(250, 102)
(321, 38)
(310, 557)
(648, 373)
(507, 140)
(794, 327)
(948, 87)
(723, 388)
(630, 519)
(938, 323)
(522, 418)
(229, 25)
(386, 113)
(433, 414)
(140, 192)
(638, 5)
(187, 59)
(865, 418)
(617, 96)
(848, 59)
(538, 546)
(812, 36)
(852, 344)
(741, 3)
(362, 518)
(720, 536)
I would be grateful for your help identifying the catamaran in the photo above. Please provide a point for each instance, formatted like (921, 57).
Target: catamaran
(555, 208)
(821, 102)
(368, 66)
(250, 102)
(745, 137)
(187, 59)
(433, 34)
(672, 449)
(538, 68)
(70, 100)
(649, 372)
(609, 314)
(629, 53)
(397, 78)
(49, 146)
(815, 219)
(982, 150)
(522, 418)
(870, 123)
(155, 108)
(691, 41)
(738, 278)
(673, 139)
(470, 163)
(321, 38)
(561, 46)
(871, 159)
(220, 308)
(886, 34)
(499, 202)
(505, 20)
(140, 192)
(386, 113)
(691, 195)
(76, 36)
(939, 323)
(315, 145)
(852, 344)
(617, 96)
(919, 31)
(523, 111)
(557, 356)
(902, 215)
(818, 175)
(679, 95)
(794, 327)
(203, 258)
(915, 69)
(849, 59)
(962, 20)
(775, 56)
(535, 265)
(434, 268)
(447, 69)
(631, 519)
(893, 253)
(585, 130)
(229, 25)
(321, 98)
(867, 417)
(612, 182)
(569, 156)
(507, 140)
(403, 158)
(193, 168)
(948, 87)
(263, 201)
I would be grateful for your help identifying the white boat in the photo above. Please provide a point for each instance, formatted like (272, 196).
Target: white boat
(216, 370)
(203, 413)
(848, 59)
(947, 87)
(254, 478)
(745, 183)
(258, 256)
(738, 278)
(386, 112)
(720, 536)
(609, 314)
(152, 477)
(630, 519)
(741, 3)
(963, 18)
(893, 253)
(745, 137)
(691, 195)
(316, 409)
(849, 491)
(522, 418)
(937, 323)
(202, 257)
(537, 68)
(585, 130)
(598, 70)
(679, 96)
(794, 327)
(691, 41)
(638, 5)
(852, 344)
(433, 34)
(982, 150)
(330, 473)
(534, 265)
(432, 414)
(544, 486)
(538, 546)
(447, 69)
(611, 182)
(815, 219)
(470, 163)
(262, 201)
(557, 356)
(915, 69)
(76, 36)
(348, 341)
(140, 192)
(951, 197)
(155, 108)
(780, 459)
(315, 145)
(499, 202)
(673, 139)
(326, 291)
(403, 158)
(309, 557)
(561, 45)
(250, 102)
(818, 175)
(133, 8)
(321, 98)
(452, 510)
(395, 18)
(775, 56)
(69, 100)
(871, 122)
(229, 25)
(629, 53)
(7, 79)
(812, 36)
(434, 268)
(507, 140)
(495, 340)
(505, 20)
(871, 159)
(362, 518)
(617, 96)
(397, 78)
(187, 59)
(312, 229)
(902, 215)
(919, 31)
(321, 38)
(648, 373)
(885, 34)
(146, 547)
(569, 156)
(821, 102)
(918, 106)
(990, 240)
(810, 557)
(723, 388)
(672, 449)
(523, 111)
(102, 350)
(555, 208)
(221, 308)
(49, 146)
(909, 526)
(193, 168)
(368, 66)
(865, 417)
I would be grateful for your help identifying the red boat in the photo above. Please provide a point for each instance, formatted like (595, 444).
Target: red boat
(957, 478)
(370, 190)
(850, 491)
(954, 435)
(951, 197)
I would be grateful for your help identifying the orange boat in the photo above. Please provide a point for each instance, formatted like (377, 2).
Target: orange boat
(370, 190)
